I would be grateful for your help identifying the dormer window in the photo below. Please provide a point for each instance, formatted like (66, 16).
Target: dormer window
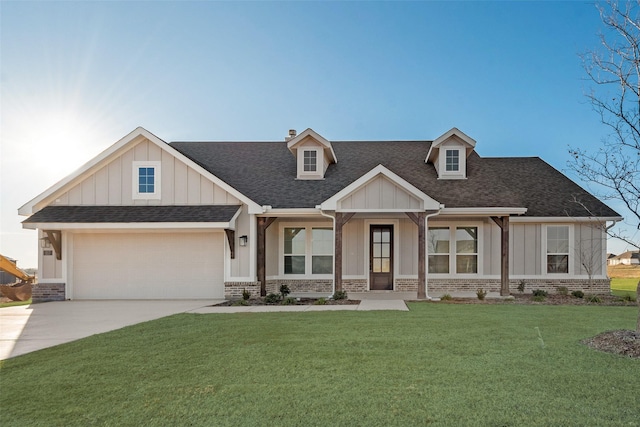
(452, 160)
(310, 160)
(449, 154)
(313, 154)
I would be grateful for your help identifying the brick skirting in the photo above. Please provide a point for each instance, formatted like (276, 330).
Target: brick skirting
(43, 292)
(597, 286)
(302, 285)
(233, 290)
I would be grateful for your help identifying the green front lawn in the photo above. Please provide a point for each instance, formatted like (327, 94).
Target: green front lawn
(624, 286)
(14, 303)
(439, 364)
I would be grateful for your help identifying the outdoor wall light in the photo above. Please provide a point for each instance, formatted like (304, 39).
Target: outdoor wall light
(45, 242)
(243, 240)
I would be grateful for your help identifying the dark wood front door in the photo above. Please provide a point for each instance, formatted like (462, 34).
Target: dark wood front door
(381, 257)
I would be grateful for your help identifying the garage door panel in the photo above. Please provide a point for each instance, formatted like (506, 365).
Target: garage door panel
(148, 266)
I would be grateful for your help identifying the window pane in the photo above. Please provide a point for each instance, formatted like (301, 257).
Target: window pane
(322, 241)
(557, 263)
(558, 239)
(386, 236)
(294, 241)
(438, 240)
(310, 162)
(467, 240)
(438, 263)
(293, 264)
(466, 264)
(385, 265)
(452, 160)
(377, 250)
(377, 265)
(321, 264)
(385, 250)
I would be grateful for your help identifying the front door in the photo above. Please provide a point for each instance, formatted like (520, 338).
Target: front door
(381, 258)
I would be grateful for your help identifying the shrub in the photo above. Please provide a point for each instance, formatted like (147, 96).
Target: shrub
(284, 291)
(481, 293)
(538, 298)
(320, 301)
(521, 286)
(446, 297)
(289, 301)
(577, 294)
(272, 298)
(339, 295)
(563, 290)
(593, 298)
(628, 298)
(246, 294)
(540, 293)
(241, 302)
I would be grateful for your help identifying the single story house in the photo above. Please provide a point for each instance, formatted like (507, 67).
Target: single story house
(625, 258)
(150, 220)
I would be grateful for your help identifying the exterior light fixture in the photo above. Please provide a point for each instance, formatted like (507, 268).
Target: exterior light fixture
(45, 243)
(243, 240)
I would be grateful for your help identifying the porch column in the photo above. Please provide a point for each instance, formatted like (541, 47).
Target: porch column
(263, 224)
(503, 223)
(419, 220)
(341, 219)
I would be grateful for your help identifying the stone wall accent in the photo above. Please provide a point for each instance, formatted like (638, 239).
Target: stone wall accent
(354, 285)
(300, 285)
(233, 290)
(43, 292)
(598, 286)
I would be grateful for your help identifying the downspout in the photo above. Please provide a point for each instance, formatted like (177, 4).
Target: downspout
(333, 218)
(426, 254)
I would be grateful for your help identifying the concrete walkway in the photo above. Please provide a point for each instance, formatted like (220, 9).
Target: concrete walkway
(28, 328)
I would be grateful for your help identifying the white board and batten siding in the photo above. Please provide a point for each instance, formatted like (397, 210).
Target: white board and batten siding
(113, 183)
(380, 194)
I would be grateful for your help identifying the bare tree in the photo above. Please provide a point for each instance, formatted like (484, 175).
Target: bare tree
(614, 68)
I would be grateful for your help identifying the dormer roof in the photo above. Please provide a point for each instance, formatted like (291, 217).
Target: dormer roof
(452, 134)
(295, 142)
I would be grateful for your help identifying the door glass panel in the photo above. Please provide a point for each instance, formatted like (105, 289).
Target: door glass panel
(377, 265)
(385, 266)
(385, 250)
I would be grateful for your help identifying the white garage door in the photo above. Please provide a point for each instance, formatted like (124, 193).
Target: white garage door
(148, 266)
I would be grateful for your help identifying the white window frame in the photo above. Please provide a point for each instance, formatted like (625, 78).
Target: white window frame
(544, 243)
(319, 172)
(308, 250)
(446, 155)
(453, 226)
(157, 174)
(304, 158)
(443, 173)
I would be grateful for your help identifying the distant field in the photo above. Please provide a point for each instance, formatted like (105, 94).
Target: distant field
(624, 279)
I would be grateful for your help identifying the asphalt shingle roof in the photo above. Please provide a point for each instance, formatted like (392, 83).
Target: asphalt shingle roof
(128, 214)
(266, 173)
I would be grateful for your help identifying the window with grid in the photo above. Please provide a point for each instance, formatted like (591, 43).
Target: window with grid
(452, 160)
(558, 249)
(310, 161)
(146, 180)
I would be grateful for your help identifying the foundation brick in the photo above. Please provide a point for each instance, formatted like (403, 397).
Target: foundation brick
(43, 292)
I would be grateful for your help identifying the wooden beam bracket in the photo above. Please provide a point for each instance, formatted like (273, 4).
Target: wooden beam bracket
(55, 238)
(231, 238)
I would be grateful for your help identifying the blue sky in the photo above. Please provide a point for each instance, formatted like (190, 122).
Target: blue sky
(77, 76)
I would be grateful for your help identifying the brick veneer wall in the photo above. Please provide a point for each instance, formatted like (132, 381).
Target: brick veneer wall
(598, 286)
(273, 286)
(354, 285)
(43, 292)
(233, 290)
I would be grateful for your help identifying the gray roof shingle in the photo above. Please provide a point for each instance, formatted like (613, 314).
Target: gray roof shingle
(129, 214)
(266, 173)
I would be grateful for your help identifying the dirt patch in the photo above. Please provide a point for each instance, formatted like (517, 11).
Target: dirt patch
(622, 342)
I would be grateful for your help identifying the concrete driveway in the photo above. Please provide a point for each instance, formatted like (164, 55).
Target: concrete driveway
(28, 328)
